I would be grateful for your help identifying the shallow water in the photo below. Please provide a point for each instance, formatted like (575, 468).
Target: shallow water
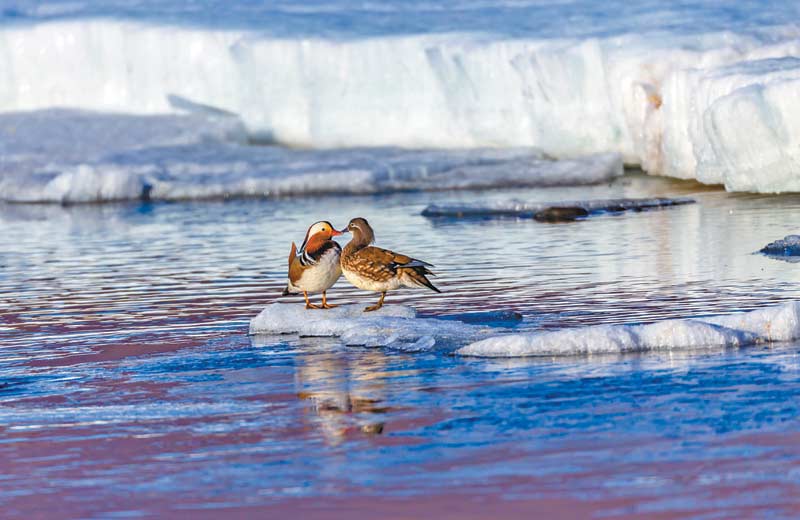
(130, 387)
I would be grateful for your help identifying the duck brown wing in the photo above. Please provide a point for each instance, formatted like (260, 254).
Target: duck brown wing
(379, 259)
(382, 265)
(372, 262)
(295, 266)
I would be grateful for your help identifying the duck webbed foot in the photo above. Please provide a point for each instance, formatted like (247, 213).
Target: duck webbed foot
(325, 304)
(309, 305)
(377, 305)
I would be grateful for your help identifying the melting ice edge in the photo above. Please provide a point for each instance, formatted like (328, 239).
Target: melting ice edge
(398, 327)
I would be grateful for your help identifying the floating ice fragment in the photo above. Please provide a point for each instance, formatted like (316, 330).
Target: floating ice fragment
(289, 318)
(779, 323)
(550, 211)
(397, 327)
(392, 326)
(787, 248)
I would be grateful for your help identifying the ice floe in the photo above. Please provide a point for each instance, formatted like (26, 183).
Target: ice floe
(72, 156)
(392, 326)
(550, 211)
(772, 324)
(786, 248)
(492, 335)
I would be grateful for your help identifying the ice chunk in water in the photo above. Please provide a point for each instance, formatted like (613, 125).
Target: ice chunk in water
(393, 326)
(398, 327)
(779, 323)
(789, 246)
(548, 211)
(288, 318)
(610, 339)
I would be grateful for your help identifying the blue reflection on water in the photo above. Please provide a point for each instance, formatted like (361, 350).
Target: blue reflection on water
(126, 368)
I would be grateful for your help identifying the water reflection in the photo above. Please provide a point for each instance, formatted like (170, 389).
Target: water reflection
(344, 394)
(126, 325)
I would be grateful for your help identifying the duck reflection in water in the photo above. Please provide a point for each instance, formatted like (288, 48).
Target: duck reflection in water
(345, 395)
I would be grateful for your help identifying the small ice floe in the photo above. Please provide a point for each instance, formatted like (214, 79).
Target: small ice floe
(772, 324)
(550, 211)
(787, 249)
(393, 326)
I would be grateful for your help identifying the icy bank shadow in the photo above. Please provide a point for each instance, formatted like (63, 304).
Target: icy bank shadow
(565, 211)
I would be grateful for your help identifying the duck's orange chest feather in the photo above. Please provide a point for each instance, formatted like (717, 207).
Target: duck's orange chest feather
(314, 244)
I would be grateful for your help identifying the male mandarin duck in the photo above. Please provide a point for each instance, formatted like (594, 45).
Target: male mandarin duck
(374, 269)
(315, 268)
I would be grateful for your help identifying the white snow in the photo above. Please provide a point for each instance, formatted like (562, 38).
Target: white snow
(778, 323)
(736, 125)
(73, 156)
(398, 327)
(393, 326)
(703, 90)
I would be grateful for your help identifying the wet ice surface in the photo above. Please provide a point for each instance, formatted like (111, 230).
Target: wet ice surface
(395, 327)
(131, 386)
(778, 323)
(399, 327)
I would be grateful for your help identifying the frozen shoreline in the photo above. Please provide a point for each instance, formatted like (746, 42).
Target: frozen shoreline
(68, 156)
(712, 106)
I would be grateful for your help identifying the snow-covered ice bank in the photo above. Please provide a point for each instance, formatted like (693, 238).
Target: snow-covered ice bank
(779, 323)
(736, 124)
(393, 326)
(73, 156)
(697, 90)
(549, 211)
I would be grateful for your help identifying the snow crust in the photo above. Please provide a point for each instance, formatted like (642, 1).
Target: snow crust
(393, 326)
(520, 208)
(703, 90)
(75, 156)
(778, 323)
(398, 327)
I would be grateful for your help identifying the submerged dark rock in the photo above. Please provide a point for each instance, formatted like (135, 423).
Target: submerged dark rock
(561, 214)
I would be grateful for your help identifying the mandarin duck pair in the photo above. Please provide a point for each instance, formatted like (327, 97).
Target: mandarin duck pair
(320, 262)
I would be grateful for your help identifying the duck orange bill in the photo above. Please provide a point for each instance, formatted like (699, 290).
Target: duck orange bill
(335, 233)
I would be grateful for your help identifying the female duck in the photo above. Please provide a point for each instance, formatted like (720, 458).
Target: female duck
(374, 269)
